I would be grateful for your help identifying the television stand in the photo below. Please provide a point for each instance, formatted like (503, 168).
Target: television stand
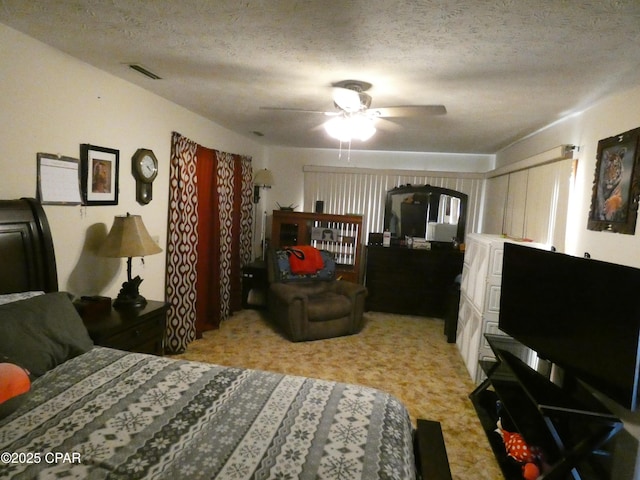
(571, 427)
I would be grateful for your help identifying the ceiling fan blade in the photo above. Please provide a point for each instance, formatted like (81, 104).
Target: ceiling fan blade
(387, 125)
(410, 110)
(295, 110)
(347, 99)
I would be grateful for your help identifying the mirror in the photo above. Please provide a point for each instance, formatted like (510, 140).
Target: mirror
(435, 213)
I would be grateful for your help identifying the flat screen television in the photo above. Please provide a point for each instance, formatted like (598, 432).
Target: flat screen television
(578, 313)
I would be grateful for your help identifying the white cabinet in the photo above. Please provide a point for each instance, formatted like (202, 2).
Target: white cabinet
(480, 298)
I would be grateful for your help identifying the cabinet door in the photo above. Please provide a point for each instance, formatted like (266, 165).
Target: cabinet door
(516, 204)
(289, 234)
(531, 203)
(548, 203)
(496, 195)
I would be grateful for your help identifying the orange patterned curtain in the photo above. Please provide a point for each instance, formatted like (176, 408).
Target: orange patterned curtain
(234, 177)
(218, 242)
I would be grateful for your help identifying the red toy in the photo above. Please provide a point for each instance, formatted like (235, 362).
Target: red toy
(521, 452)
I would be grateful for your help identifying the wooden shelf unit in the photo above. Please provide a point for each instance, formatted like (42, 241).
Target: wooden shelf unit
(295, 228)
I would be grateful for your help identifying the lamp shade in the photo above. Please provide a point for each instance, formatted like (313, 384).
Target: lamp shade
(263, 178)
(128, 237)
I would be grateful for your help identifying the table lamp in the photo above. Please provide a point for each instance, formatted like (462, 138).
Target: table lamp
(129, 238)
(263, 179)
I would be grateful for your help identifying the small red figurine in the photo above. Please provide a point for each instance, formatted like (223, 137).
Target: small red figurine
(517, 448)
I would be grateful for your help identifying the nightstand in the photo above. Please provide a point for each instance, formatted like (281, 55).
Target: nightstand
(136, 330)
(254, 285)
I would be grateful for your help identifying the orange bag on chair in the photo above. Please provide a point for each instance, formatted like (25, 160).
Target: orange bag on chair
(304, 259)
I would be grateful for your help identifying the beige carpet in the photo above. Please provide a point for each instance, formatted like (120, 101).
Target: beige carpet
(404, 355)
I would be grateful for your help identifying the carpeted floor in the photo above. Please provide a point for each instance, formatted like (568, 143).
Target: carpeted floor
(404, 355)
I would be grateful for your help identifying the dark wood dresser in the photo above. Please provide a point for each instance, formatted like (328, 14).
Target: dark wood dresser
(135, 330)
(411, 281)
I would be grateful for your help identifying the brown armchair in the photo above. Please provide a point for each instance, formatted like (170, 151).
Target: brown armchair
(313, 306)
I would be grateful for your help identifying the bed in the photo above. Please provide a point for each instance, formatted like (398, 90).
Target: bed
(94, 412)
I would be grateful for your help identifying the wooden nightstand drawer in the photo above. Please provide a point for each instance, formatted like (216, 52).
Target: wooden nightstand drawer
(135, 330)
(138, 337)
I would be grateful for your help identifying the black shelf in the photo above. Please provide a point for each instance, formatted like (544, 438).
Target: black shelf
(569, 425)
(484, 403)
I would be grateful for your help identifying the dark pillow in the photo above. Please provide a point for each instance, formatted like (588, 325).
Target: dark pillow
(14, 297)
(15, 385)
(42, 332)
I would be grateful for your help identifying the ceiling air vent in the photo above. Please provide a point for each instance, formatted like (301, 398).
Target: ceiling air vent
(144, 71)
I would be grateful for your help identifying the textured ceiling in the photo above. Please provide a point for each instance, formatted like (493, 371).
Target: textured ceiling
(502, 68)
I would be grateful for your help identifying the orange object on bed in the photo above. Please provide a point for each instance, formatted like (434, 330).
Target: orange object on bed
(14, 381)
(14, 386)
(304, 259)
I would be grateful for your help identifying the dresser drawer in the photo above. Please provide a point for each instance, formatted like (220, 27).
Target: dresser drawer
(134, 338)
(135, 330)
(411, 281)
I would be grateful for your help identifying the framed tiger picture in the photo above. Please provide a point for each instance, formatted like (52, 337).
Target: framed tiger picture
(616, 186)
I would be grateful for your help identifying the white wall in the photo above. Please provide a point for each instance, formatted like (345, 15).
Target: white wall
(52, 103)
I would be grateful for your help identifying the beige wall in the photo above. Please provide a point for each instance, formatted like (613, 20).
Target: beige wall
(52, 103)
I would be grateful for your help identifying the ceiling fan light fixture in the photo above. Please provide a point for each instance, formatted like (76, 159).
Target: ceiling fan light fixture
(352, 127)
(347, 99)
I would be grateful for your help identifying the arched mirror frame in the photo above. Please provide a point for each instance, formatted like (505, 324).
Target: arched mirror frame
(433, 194)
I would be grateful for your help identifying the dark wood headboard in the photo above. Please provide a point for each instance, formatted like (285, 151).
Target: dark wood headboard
(27, 258)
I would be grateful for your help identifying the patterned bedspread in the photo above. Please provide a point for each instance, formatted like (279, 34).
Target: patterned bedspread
(112, 414)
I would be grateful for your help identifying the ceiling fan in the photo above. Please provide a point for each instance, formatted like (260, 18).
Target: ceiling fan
(354, 117)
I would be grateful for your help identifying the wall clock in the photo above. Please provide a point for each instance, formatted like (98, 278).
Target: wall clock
(144, 166)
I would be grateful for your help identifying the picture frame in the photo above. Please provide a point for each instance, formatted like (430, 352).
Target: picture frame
(99, 169)
(616, 184)
(325, 234)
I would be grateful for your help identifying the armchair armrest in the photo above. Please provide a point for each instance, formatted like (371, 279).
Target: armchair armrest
(349, 289)
(288, 308)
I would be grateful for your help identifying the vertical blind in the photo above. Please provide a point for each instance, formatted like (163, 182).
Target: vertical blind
(363, 191)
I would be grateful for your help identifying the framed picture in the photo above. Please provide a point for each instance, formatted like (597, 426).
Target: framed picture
(99, 175)
(325, 234)
(616, 188)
